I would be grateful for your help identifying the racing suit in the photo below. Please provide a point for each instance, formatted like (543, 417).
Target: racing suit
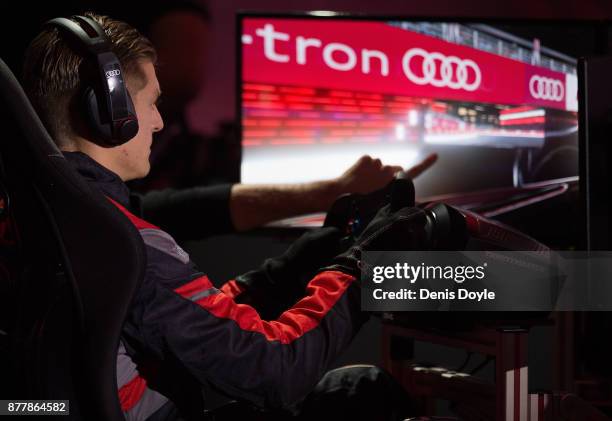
(183, 332)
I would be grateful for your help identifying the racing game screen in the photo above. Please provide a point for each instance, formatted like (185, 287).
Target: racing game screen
(499, 108)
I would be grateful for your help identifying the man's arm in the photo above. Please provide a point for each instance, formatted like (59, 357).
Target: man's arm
(255, 205)
(199, 212)
(178, 315)
(189, 214)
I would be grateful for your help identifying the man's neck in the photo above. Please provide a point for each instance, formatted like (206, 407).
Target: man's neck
(98, 153)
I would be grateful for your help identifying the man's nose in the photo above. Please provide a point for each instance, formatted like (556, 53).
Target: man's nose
(158, 122)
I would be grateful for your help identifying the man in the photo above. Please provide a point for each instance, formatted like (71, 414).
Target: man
(181, 331)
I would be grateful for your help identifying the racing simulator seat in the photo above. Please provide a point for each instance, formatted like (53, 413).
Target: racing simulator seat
(70, 264)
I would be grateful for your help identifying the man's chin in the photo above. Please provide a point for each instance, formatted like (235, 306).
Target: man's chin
(137, 175)
(145, 172)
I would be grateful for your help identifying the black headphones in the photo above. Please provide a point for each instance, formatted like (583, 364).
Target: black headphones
(109, 107)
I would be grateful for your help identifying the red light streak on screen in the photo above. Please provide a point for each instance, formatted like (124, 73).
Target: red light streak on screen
(523, 121)
(322, 116)
(288, 115)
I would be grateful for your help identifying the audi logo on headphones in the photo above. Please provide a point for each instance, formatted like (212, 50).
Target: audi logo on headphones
(442, 71)
(541, 87)
(113, 73)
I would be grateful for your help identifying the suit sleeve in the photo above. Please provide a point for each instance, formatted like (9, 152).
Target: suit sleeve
(190, 214)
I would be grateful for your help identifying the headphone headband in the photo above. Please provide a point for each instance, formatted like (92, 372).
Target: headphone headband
(94, 44)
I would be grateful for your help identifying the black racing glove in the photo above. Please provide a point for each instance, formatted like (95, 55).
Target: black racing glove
(396, 226)
(403, 229)
(280, 281)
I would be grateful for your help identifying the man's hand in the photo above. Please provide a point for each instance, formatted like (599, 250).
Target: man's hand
(368, 174)
(390, 230)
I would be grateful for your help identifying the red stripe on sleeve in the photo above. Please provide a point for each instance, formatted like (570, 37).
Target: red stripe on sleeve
(138, 223)
(232, 289)
(323, 291)
(191, 288)
(131, 392)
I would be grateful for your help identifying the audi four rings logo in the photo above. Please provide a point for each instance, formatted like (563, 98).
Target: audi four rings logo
(541, 87)
(113, 73)
(453, 72)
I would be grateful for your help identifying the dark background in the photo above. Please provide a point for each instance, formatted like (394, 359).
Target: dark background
(216, 101)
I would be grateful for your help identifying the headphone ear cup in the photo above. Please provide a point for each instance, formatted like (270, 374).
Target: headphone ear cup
(102, 132)
(128, 128)
(105, 133)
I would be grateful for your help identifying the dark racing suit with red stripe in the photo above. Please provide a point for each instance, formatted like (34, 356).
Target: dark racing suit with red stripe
(182, 332)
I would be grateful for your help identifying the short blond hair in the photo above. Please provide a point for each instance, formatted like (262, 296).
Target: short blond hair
(54, 74)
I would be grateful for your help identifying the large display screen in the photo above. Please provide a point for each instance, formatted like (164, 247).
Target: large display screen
(500, 109)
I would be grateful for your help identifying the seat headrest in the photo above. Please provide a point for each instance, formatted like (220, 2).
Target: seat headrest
(16, 104)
